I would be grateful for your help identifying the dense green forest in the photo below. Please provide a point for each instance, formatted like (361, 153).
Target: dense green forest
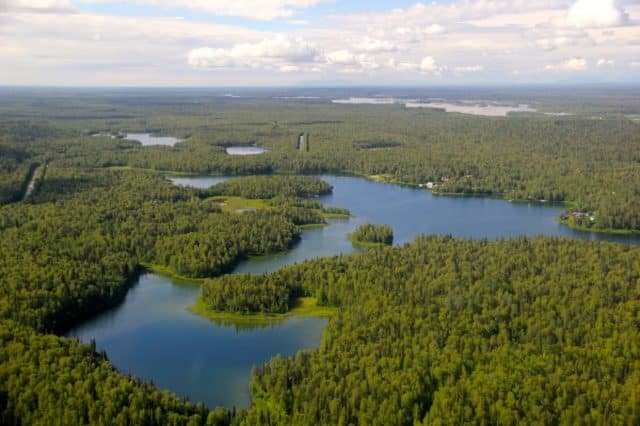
(50, 380)
(446, 331)
(590, 159)
(266, 187)
(440, 331)
(370, 233)
(69, 251)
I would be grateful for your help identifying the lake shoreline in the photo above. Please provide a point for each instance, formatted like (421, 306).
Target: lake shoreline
(305, 308)
(387, 179)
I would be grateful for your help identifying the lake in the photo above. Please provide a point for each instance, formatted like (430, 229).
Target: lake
(147, 139)
(201, 182)
(489, 109)
(153, 335)
(486, 109)
(413, 211)
(245, 150)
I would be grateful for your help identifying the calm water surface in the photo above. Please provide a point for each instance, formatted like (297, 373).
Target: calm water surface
(201, 182)
(490, 110)
(412, 212)
(245, 150)
(147, 139)
(152, 334)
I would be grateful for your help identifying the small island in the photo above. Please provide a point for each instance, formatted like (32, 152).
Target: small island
(371, 234)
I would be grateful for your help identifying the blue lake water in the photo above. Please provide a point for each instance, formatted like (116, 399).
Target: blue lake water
(147, 139)
(153, 335)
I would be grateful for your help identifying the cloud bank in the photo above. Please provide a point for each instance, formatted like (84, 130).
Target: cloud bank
(479, 41)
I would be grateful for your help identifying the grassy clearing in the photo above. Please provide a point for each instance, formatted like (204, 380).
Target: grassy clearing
(382, 178)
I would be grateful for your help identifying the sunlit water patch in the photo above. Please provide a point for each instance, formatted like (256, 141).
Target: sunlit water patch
(200, 182)
(486, 109)
(365, 101)
(245, 150)
(147, 139)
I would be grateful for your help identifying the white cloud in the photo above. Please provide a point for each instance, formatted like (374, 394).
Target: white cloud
(341, 57)
(367, 62)
(553, 43)
(50, 42)
(368, 44)
(635, 64)
(254, 9)
(605, 62)
(289, 68)
(596, 13)
(280, 50)
(402, 66)
(206, 57)
(428, 65)
(37, 6)
(469, 69)
(573, 64)
(434, 29)
(345, 61)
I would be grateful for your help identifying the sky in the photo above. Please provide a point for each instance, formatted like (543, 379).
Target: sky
(318, 42)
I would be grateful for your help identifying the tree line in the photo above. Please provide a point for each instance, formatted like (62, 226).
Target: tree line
(592, 162)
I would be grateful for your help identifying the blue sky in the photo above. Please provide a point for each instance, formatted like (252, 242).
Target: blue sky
(290, 42)
(315, 12)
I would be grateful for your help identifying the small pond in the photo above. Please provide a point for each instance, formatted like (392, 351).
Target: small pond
(245, 150)
(147, 139)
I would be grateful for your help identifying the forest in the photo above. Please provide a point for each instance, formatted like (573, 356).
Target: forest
(69, 250)
(440, 331)
(588, 159)
(455, 331)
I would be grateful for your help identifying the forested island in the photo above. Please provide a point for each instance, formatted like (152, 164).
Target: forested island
(370, 234)
(442, 330)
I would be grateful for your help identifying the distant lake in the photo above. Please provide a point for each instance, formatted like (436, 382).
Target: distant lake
(152, 334)
(200, 182)
(487, 109)
(245, 150)
(366, 101)
(147, 139)
(491, 109)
